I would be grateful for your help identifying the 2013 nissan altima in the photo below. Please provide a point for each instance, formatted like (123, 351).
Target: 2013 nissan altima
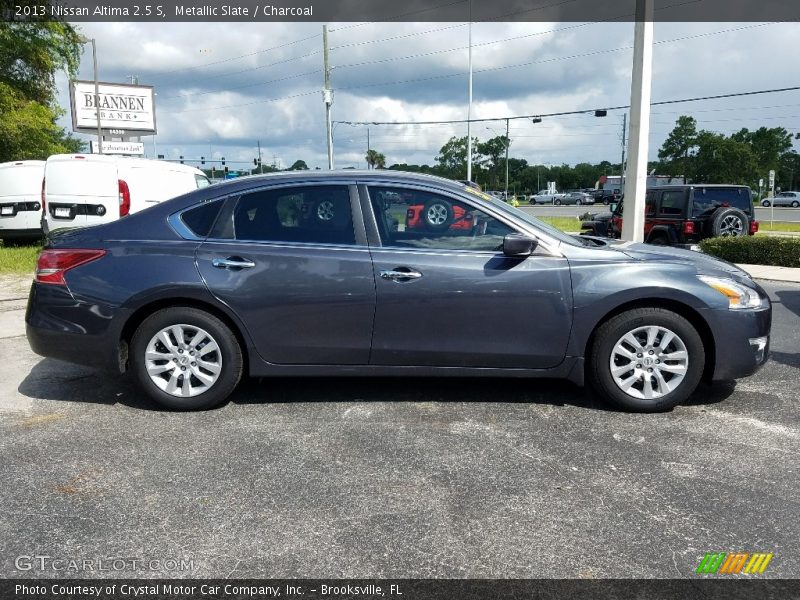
(315, 273)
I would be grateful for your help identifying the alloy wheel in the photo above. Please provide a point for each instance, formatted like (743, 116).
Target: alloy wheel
(183, 360)
(437, 214)
(731, 226)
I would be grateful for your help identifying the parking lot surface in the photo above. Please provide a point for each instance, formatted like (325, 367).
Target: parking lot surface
(401, 477)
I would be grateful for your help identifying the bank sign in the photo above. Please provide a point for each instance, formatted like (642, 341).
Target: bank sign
(123, 108)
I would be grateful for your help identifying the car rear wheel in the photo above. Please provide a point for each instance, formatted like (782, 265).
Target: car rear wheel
(729, 222)
(437, 215)
(578, 202)
(646, 360)
(557, 202)
(185, 358)
(795, 203)
(765, 203)
(659, 240)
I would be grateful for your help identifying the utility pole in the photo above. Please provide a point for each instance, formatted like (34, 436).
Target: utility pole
(622, 164)
(469, 104)
(327, 95)
(508, 143)
(368, 148)
(641, 84)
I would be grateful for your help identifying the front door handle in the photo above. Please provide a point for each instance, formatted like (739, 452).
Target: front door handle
(232, 262)
(401, 274)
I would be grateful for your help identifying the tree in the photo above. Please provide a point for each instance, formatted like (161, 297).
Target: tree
(493, 153)
(452, 157)
(767, 144)
(675, 152)
(298, 165)
(28, 130)
(30, 54)
(721, 159)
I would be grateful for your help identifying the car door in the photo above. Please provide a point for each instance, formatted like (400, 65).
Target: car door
(293, 263)
(446, 294)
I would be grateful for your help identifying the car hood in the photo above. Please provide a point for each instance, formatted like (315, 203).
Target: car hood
(704, 263)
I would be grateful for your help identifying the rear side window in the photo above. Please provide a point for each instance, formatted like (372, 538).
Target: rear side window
(200, 220)
(672, 203)
(309, 214)
(706, 200)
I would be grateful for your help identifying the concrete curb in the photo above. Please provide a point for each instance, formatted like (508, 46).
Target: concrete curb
(788, 274)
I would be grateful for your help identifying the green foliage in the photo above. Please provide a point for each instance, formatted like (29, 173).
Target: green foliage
(31, 53)
(771, 250)
(375, 160)
(28, 130)
(298, 165)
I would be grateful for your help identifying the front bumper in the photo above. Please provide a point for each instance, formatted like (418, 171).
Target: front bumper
(741, 340)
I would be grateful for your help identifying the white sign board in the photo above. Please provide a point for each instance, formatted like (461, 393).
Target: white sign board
(122, 107)
(771, 179)
(133, 148)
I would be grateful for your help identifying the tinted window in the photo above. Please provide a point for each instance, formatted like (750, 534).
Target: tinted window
(200, 220)
(706, 200)
(672, 203)
(420, 219)
(313, 214)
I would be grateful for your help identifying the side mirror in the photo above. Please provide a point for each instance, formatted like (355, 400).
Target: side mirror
(519, 245)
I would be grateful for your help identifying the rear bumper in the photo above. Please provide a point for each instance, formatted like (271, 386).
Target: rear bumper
(58, 326)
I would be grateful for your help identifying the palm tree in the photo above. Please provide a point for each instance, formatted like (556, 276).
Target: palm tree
(380, 161)
(372, 158)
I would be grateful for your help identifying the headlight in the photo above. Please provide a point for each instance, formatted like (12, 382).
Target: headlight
(739, 296)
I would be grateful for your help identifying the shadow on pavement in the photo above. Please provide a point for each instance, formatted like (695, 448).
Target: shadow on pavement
(52, 379)
(790, 299)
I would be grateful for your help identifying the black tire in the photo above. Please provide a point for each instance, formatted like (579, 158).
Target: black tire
(611, 333)
(229, 356)
(765, 203)
(729, 222)
(578, 202)
(605, 201)
(437, 215)
(557, 202)
(532, 202)
(659, 239)
(795, 203)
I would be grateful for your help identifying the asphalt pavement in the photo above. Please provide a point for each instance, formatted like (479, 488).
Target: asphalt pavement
(404, 477)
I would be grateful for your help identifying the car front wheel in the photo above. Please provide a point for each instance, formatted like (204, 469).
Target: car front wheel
(646, 360)
(185, 358)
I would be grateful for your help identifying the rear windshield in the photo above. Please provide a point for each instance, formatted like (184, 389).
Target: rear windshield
(21, 180)
(707, 200)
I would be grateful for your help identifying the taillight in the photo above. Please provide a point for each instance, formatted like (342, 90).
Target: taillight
(688, 227)
(753, 227)
(124, 198)
(52, 265)
(44, 209)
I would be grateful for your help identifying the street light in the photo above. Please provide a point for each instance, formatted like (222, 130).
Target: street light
(84, 40)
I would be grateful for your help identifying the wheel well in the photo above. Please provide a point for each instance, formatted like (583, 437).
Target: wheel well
(136, 319)
(684, 310)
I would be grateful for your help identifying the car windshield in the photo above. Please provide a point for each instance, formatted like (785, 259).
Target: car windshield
(706, 200)
(531, 220)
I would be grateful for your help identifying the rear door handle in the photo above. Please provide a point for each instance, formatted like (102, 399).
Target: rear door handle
(232, 262)
(401, 274)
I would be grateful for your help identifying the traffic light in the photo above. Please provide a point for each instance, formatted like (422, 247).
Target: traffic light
(202, 160)
(600, 113)
(223, 161)
(181, 160)
(226, 171)
(255, 162)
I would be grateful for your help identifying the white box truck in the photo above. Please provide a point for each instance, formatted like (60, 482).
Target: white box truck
(21, 200)
(80, 190)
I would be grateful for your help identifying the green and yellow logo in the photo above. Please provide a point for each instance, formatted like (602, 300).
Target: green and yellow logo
(733, 563)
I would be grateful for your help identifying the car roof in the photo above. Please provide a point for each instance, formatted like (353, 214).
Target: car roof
(386, 176)
(683, 186)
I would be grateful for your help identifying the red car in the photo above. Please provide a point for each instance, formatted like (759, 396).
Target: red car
(438, 215)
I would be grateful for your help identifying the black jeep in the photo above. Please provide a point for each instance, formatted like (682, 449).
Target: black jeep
(682, 215)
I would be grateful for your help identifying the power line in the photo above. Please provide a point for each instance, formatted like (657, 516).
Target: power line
(572, 112)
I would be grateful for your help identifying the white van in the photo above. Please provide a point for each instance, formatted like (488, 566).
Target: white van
(88, 189)
(21, 200)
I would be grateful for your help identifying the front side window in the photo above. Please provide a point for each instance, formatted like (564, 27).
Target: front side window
(410, 218)
(309, 214)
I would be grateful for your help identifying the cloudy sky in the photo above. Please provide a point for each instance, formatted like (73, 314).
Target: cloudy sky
(222, 88)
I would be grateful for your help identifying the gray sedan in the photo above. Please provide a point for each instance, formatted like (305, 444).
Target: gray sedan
(308, 274)
(576, 198)
(783, 199)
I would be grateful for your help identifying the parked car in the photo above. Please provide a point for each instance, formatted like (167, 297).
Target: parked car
(683, 215)
(783, 199)
(545, 197)
(232, 280)
(89, 189)
(607, 196)
(21, 200)
(576, 198)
